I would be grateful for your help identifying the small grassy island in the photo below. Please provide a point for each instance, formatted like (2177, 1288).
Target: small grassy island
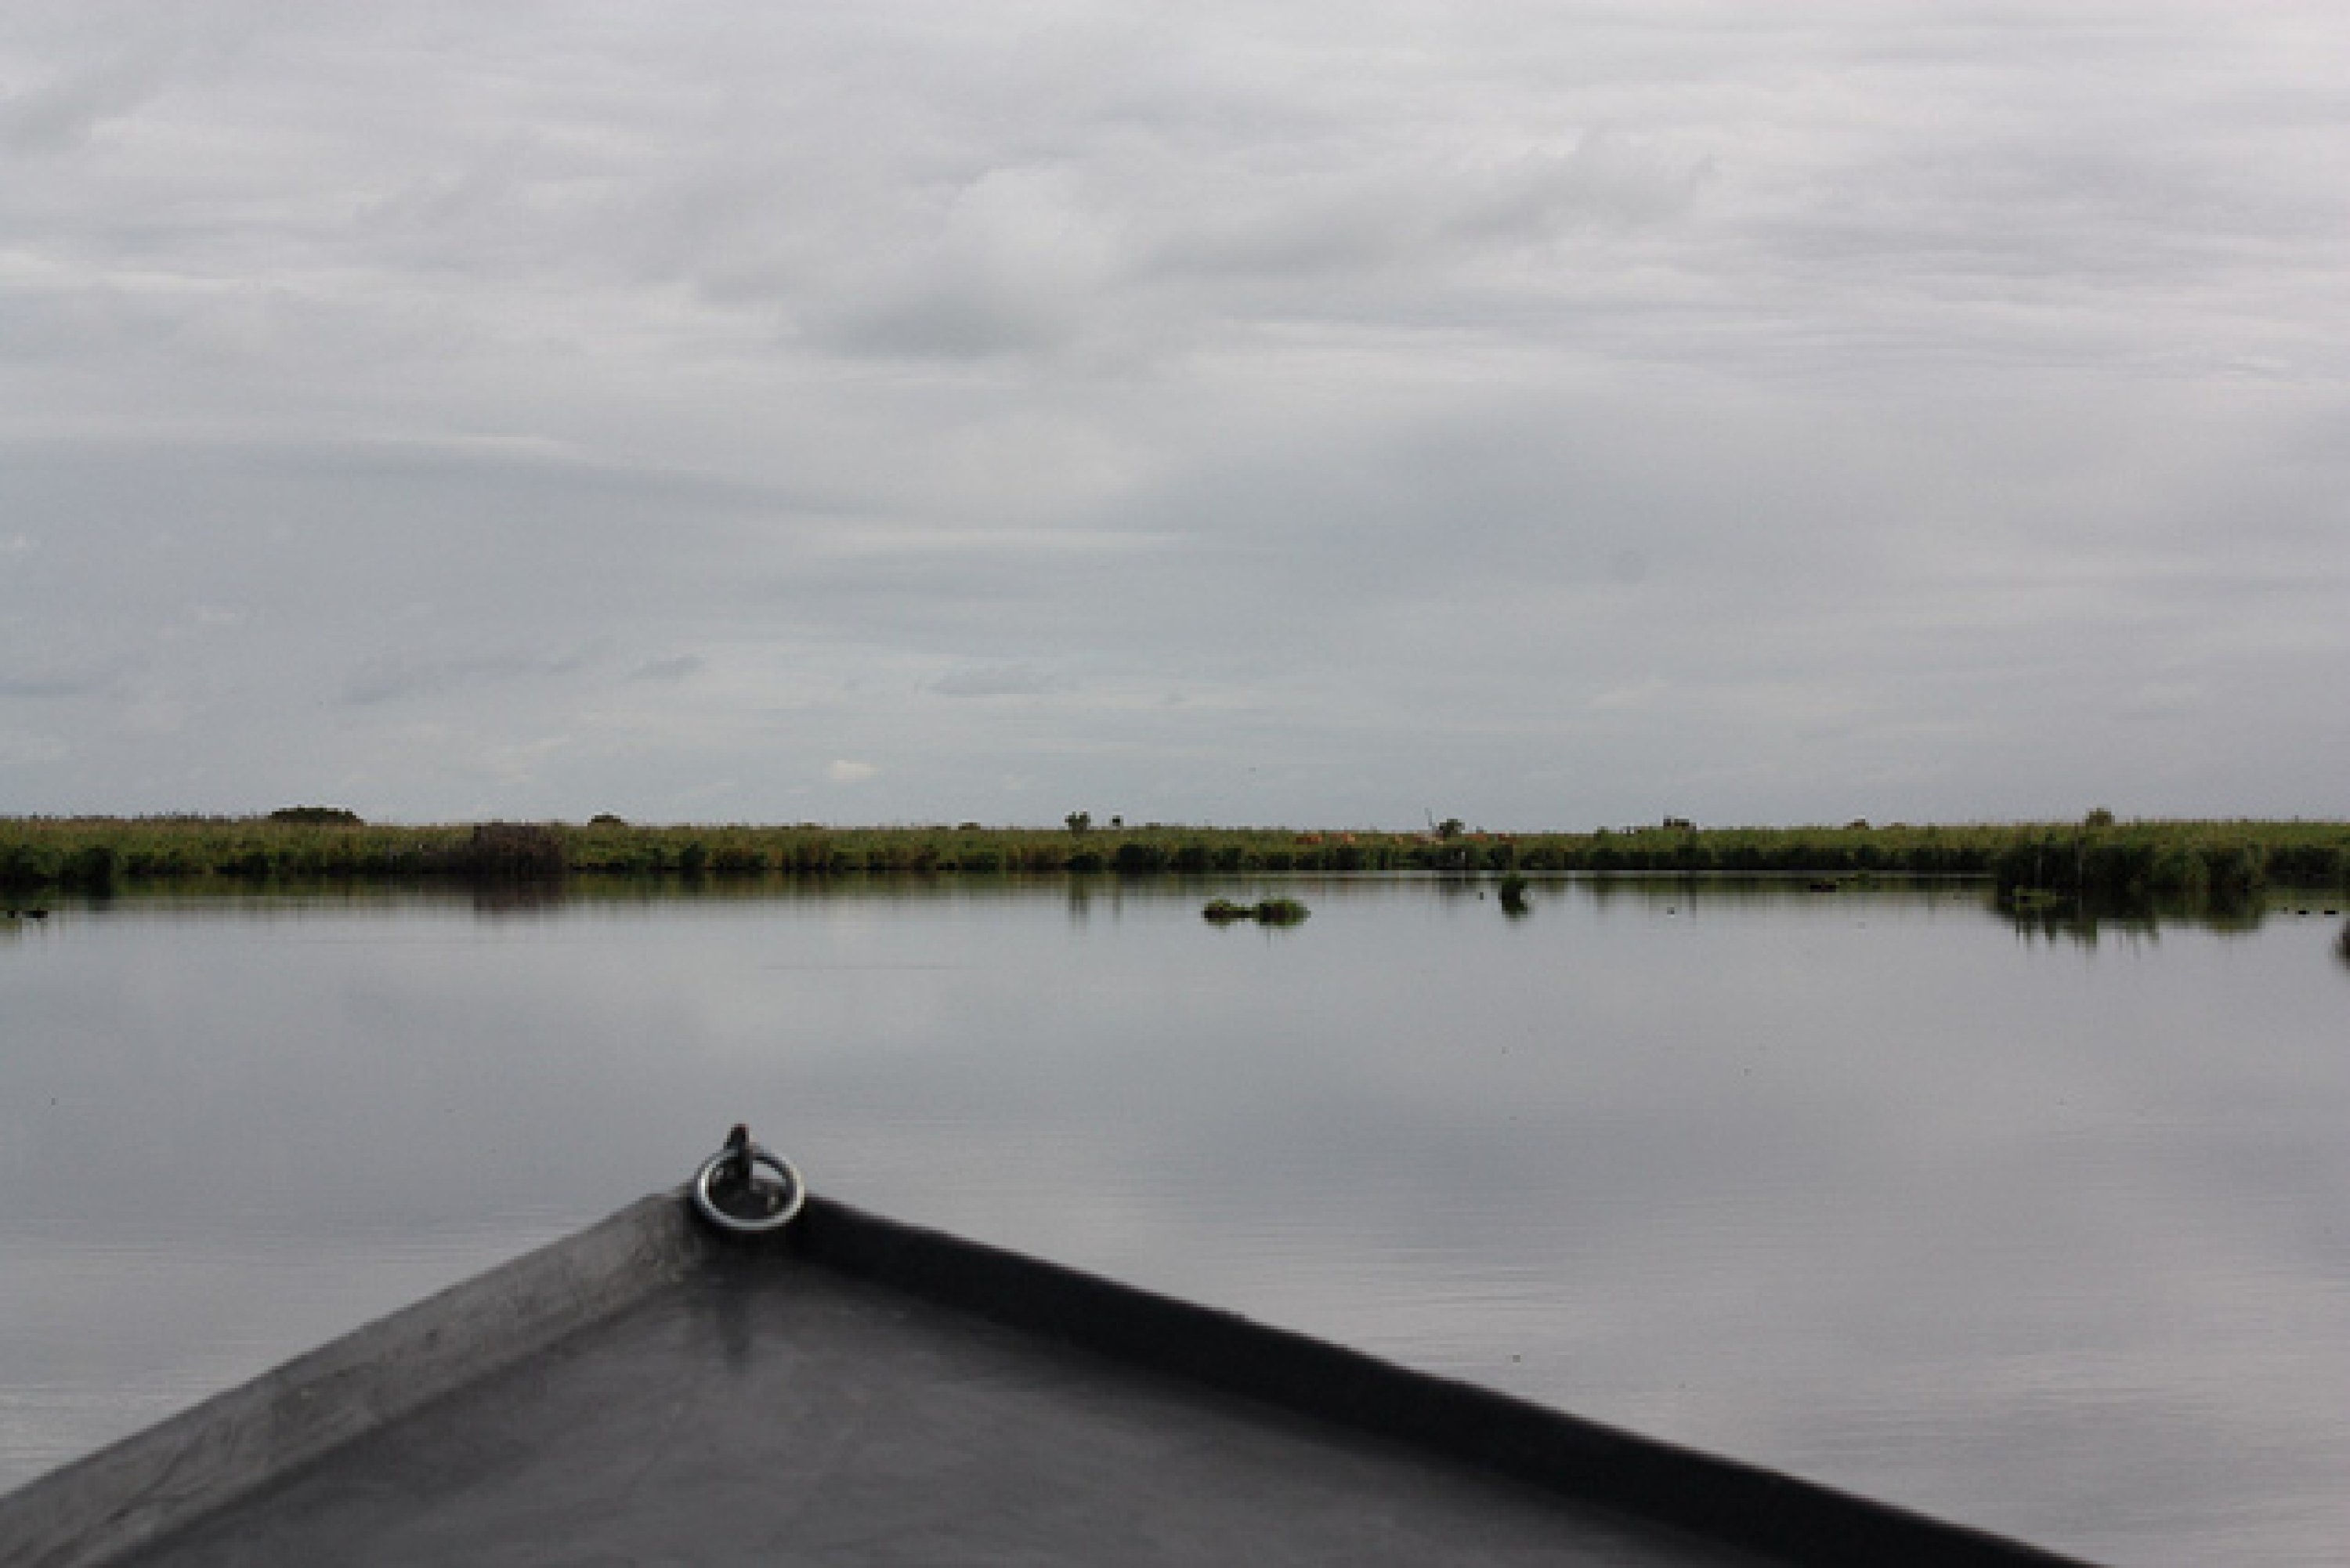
(2032, 865)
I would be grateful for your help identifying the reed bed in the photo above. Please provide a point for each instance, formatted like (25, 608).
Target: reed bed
(2096, 858)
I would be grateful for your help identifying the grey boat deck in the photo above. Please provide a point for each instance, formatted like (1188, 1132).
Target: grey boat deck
(871, 1394)
(816, 1419)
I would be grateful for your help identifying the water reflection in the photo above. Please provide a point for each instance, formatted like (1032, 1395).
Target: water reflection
(2083, 924)
(2041, 1232)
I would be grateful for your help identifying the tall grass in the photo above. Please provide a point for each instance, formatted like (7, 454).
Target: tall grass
(2218, 859)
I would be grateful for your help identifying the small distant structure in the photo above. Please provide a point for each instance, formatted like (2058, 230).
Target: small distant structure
(1680, 824)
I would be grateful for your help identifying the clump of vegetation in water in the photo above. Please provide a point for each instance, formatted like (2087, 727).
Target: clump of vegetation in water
(1264, 912)
(1513, 894)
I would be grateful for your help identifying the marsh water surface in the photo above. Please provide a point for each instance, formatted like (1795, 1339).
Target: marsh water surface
(2040, 1228)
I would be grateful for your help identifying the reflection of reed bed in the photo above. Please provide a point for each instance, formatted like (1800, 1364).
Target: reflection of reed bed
(2096, 857)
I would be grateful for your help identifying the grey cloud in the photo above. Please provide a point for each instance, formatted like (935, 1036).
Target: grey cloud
(23, 687)
(1607, 180)
(60, 113)
(1015, 680)
(970, 318)
(1027, 262)
(398, 677)
(1598, 404)
(1009, 268)
(1426, 213)
(668, 671)
(21, 748)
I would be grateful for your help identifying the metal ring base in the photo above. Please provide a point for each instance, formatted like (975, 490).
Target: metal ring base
(795, 1193)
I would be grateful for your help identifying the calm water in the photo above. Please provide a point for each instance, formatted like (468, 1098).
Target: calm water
(2043, 1232)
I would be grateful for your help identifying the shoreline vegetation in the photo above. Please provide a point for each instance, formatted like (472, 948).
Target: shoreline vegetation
(2031, 863)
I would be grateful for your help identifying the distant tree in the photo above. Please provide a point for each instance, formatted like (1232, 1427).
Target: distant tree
(2101, 818)
(1450, 827)
(606, 819)
(1079, 821)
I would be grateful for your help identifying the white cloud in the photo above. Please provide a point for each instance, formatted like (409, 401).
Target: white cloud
(843, 772)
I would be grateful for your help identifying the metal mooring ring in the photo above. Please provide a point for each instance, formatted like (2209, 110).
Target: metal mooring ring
(780, 1200)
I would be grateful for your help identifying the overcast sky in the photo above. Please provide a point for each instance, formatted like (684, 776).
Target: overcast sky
(1547, 414)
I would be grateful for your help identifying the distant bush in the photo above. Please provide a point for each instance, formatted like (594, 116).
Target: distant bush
(317, 816)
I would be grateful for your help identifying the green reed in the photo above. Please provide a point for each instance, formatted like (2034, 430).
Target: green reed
(2095, 858)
